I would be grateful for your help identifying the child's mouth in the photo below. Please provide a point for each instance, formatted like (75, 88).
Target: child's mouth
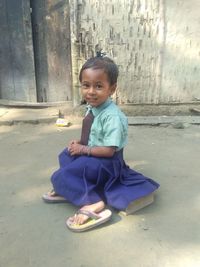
(91, 99)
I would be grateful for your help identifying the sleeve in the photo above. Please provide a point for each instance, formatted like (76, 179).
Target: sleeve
(114, 131)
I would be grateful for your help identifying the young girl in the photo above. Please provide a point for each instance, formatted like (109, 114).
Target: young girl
(92, 172)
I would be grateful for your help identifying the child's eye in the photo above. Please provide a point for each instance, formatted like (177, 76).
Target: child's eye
(99, 86)
(84, 85)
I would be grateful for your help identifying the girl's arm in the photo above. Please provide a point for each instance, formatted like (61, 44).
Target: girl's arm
(98, 151)
(102, 151)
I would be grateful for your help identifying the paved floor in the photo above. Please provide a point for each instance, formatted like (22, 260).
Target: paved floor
(165, 234)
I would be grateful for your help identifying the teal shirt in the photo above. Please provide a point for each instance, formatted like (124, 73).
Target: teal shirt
(110, 126)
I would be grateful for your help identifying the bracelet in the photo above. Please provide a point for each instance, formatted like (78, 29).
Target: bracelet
(81, 151)
(85, 150)
(89, 151)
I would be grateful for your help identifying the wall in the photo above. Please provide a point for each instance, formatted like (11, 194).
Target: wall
(156, 44)
(181, 68)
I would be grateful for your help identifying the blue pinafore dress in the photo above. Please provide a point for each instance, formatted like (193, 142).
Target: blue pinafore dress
(84, 180)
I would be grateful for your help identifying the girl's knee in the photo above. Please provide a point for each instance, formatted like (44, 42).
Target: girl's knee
(64, 158)
(64, 152)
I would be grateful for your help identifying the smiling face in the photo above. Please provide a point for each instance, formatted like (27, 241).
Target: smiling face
(96, 87)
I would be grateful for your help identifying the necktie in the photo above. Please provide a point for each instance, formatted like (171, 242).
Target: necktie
(86, 126)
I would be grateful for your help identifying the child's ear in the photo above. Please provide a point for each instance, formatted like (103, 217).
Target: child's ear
(113, 88)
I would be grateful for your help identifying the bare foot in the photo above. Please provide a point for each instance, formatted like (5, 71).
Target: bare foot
(81, 218)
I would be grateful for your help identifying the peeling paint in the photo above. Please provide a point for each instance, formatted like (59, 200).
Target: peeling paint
(138, 35)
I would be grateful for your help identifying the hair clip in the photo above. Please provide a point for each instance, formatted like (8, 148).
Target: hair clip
(100, 54)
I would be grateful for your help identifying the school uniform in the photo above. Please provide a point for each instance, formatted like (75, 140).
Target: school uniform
(84, 180)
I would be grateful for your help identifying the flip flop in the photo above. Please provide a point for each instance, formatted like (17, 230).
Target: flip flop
(52, 197)
(94, 220)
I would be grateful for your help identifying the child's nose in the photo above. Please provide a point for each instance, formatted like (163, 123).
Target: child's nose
(91, 89)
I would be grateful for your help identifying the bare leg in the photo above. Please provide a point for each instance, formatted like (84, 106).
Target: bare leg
(96, 207)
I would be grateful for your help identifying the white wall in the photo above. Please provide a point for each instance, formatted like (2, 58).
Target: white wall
(181, 65)
(156, 44)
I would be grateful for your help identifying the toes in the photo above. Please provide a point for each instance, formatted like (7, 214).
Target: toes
(78, 219)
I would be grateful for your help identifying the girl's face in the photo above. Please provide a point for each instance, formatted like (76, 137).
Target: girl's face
(96, 87)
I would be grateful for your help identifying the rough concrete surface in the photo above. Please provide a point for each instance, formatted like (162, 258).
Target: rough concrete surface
(165, 234)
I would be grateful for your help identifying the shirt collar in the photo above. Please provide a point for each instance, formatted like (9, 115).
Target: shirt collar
(97, 110)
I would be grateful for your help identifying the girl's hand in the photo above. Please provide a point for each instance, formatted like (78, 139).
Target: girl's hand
(73, 142)
(75, 149)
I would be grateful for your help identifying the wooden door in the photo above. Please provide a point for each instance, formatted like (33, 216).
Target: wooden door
(17, 73)
(51, 38)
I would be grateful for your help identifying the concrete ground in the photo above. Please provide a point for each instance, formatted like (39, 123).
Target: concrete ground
(165, 234)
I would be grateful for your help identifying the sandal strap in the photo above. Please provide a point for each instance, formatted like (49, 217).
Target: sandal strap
(88, 213)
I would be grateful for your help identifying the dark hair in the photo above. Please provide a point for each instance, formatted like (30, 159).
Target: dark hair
(104, 63)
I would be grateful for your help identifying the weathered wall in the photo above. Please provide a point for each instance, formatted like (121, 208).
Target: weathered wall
(156, 44)
(181, 64)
